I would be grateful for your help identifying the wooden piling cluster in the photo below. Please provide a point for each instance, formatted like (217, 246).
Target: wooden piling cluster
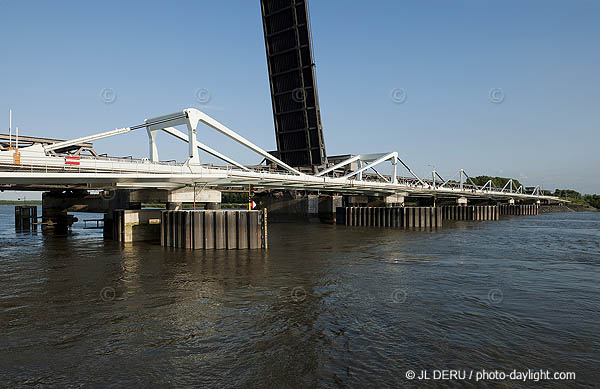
(471, 212)
(25, 217)
(205, 229)
(519, 209)
(402, 217)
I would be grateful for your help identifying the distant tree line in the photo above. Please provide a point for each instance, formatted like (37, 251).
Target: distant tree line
(576, 197)
(234, 198)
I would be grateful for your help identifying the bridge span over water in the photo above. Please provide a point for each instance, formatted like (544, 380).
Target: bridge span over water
(43, 164)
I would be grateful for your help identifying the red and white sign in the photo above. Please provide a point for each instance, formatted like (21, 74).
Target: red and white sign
(72, 161)
(253, 205)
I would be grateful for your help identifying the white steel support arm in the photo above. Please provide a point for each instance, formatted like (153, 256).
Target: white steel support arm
(379, 160)
(470, 180)
(118, 131)
(410, 171)
(449, 179)
(67, 143)
(152, 144)
(507, 184)
(194, 114)
(180, 135)
(338, 165)
(359, 176)
(192, 125)
(440, 177)
(379, 174)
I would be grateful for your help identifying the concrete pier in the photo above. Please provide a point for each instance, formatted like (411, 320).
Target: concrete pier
(206, 229)
(403, 217)
(135, 225)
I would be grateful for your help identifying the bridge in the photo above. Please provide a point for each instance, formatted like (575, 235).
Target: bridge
(68, 171)
(44, 165)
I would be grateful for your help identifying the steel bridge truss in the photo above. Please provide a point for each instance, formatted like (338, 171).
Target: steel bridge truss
(42, 166)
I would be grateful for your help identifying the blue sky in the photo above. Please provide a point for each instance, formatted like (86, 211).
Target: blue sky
(58, 56)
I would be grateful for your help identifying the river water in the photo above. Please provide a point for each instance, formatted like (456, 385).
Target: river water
(325, 305)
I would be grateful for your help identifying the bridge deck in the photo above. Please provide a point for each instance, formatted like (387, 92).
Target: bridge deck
(37, 171)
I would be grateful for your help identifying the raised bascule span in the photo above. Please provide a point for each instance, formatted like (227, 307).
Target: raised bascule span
(60, 164)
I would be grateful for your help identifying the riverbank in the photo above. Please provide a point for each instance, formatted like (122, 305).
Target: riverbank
(571, 207)
(20, 202)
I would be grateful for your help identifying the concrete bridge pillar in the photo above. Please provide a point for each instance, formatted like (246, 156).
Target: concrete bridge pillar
(395, 200)
(113, 200)
(356, 201)
(461, 201)
(511, 201)
(328, 206)
(290, 205)
(136, 225)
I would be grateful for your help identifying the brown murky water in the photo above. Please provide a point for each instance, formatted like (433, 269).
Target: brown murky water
(325, 306)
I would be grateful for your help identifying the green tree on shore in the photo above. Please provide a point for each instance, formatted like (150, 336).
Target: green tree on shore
(498, 182)
(592, 200)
